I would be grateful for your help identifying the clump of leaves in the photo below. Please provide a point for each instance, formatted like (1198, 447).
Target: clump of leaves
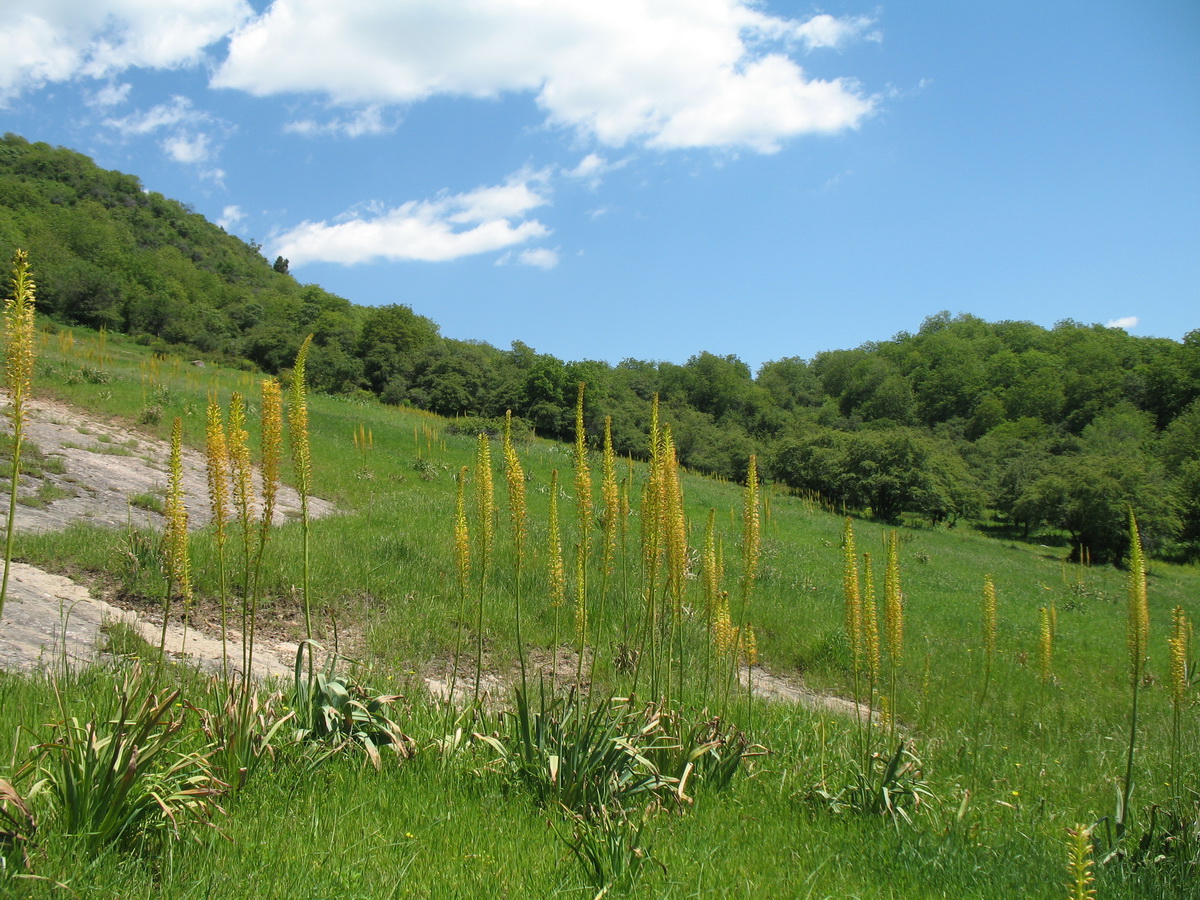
(710, 752)
(584, 758)
(891, 786)
(1169, 846)
(241, 731)
(110, 780)
(332, 709)
(426, 469)
(17, 826)
(611, 848)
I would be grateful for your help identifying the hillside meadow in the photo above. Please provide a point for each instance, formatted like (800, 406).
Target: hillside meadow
(977, 747)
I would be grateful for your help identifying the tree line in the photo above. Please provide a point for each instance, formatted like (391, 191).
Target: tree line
(1039, 431)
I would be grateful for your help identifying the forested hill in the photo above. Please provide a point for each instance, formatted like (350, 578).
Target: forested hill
(1055, 431)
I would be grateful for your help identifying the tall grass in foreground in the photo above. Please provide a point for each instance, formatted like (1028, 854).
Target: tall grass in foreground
(18, 373)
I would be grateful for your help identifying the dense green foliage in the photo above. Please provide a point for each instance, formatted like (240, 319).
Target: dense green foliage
(1051, 431)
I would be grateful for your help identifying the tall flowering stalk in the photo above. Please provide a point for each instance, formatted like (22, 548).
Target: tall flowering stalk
(301, 464)
(462, 565)
(485, 510)
(751, 556)
(751, 535)
(674, 528)
(870, 642)
(515, 478)
(556, 574)
(583, 507)
(18, 374)
(216, 454)
(1137, 629)
(651, 534)
(893, 614)
(852, 603)
(271, 451)
(1178, 643)
(712, 590)
(176, 560)
(989, 633)
(610, 520)
(1045, 649)
(244, 505)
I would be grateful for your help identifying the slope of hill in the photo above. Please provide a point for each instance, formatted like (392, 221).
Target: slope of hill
(1050, 431)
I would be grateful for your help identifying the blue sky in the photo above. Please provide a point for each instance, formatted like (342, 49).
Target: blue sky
(656, 178)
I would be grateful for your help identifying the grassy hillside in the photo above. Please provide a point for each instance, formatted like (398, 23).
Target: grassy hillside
(1044, 433)
(1008, 768)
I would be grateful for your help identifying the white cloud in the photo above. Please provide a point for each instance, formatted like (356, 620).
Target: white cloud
(1125, 322)
(668, 73)
(540, 257)
(165, 115)
(593, 167)
(825, 30)
(188, 148)
(362, 122)
(446, 228)
(188, 132)
(231, 217)
(110, 95)
(56, 40)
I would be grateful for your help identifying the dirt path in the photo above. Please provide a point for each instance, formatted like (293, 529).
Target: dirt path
(93, 470)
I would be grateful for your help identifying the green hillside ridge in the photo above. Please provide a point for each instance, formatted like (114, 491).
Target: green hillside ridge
(1034, 432)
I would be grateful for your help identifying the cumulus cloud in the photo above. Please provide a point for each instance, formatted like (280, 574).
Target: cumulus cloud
(448, 227)
(669, 74)
(57, 40)
(1125, 322)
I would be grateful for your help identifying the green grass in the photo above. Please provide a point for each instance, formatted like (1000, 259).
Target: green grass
(1034, 762)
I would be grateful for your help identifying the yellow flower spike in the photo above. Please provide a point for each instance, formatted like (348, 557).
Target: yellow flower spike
(558, 584)
(18, 374)
(583, 476)
(176, 538)
(1045, 645)
(239, 457)
(515, 478)
(1178, 642)
(893, 600)
(870, 620)
(1079, 863)
(611, 496)
(751, 533)
(298, 428)
(1138, 617)
(851, 593)
(216, 455)
(989, 618)
(462, 538)
(272, 441)
(485, 499)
